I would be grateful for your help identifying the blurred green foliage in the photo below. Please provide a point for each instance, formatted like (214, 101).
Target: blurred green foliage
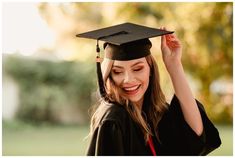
(49, 89)
(205, 30)
(46, 87)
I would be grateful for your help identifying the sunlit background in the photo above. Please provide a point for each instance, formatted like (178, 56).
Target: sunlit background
(49, 80)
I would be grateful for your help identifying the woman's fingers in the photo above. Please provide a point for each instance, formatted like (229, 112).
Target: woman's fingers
(163, 38)
(170, 41)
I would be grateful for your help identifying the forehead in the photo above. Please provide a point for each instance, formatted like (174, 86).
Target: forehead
(129, 62)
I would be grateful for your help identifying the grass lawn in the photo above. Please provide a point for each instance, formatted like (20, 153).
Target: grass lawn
(22, 139)
(226, 135)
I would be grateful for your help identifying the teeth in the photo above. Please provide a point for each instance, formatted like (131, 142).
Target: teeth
(131, 88)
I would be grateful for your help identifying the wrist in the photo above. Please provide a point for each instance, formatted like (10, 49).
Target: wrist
(174, 67)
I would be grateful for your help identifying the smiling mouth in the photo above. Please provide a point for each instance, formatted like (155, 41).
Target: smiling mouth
(131, 90)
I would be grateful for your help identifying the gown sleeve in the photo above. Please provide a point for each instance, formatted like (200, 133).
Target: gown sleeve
(179, 138)
(107, 140)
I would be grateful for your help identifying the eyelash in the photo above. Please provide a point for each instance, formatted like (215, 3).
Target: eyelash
(118, 72)
(138, 69)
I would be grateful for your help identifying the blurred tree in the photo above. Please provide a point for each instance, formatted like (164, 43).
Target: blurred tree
(205, 30)
(55, 92)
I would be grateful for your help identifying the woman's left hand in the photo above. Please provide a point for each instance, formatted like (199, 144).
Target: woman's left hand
(171, 51)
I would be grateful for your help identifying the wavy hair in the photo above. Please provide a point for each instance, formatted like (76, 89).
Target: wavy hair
(154, 100)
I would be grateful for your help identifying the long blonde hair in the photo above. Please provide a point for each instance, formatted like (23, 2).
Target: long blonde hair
(154, 100)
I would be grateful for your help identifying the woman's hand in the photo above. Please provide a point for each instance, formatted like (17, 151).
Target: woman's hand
(171, 51)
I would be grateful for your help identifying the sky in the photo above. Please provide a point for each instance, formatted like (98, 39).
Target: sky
(23, 30)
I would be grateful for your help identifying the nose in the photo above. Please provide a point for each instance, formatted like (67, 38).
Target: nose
(128, 77)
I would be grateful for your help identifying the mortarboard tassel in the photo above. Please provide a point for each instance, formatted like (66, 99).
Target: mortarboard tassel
(99, 72)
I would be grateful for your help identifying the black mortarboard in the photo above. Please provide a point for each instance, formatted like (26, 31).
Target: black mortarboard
(125, 41)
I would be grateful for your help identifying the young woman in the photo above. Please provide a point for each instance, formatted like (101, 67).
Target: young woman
(133, 117)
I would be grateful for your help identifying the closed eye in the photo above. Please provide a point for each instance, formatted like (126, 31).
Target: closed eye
(116, 72)
(138, 69)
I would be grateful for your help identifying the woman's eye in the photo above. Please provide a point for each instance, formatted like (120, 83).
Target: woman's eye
(117, 72)
(137, 69)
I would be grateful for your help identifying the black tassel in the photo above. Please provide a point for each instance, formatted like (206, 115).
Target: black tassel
(100, 80)
(99, 73)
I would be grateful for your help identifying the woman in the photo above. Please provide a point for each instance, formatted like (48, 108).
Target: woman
(133, 117)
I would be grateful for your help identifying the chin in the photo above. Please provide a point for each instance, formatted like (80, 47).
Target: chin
(135, 99)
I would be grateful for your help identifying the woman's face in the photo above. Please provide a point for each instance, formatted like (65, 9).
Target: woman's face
(132, 77)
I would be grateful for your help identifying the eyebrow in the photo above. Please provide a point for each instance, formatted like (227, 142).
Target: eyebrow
(139, 62)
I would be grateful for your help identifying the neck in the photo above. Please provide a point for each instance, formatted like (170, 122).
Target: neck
(140, 103)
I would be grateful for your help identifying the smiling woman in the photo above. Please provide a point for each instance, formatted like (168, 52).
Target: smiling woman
(133, 117)
(132, 77)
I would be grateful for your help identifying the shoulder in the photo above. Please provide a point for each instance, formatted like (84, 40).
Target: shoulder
(114, 117)
(114, 112)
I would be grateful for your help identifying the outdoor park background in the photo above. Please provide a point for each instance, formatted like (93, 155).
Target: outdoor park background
(49, 79)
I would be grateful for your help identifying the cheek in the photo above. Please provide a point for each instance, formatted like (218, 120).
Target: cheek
(117, 79)
(145, 78)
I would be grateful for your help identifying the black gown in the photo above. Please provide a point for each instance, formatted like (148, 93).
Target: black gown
(118, 134)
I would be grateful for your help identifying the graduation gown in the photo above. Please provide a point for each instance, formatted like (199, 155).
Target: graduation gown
(118, 134)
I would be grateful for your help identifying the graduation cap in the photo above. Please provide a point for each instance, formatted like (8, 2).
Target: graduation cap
(125, 41)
